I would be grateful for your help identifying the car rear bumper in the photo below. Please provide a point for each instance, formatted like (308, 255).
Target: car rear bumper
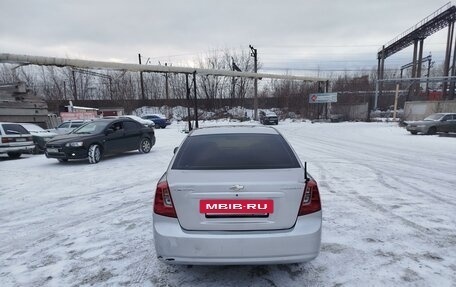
(416, 129)
(267, 121)
(25, 148)
(298, 244)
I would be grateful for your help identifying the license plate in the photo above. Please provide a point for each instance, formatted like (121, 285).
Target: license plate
(236, 206)
(21, 139)
(52, 150)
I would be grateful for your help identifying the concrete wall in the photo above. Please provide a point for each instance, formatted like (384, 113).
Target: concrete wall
(414, 111)
(18, 104)
(350, 112)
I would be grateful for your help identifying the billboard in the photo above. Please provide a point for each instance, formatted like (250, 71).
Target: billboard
(323, 98)
(67, 116)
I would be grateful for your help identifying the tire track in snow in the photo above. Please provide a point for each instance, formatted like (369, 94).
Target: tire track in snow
(343, 153)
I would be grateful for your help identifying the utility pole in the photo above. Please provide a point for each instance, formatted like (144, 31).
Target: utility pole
(64, 90)
(188, 102)
(428, 75)
(142, 80)
(75, 93)
(166, 85)
(254, 54)
(196, 100)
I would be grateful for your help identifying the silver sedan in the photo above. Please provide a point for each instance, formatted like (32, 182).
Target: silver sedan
(439, 122)
(236, 195)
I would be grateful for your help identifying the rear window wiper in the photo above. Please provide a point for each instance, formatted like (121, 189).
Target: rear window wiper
(12, 132)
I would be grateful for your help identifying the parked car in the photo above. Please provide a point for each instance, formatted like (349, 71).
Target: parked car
(229, 198)
(146, 122)
(68, 126)
(159, 120)
(101, 137)
(439, 122)
(268, 118)
(40, 136)
(15, 140)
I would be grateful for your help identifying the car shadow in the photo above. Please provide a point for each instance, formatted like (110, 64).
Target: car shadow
(108, 158)
(230, 275)
(447, 135)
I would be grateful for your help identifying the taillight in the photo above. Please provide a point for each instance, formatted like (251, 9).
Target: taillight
(163, 203)
(12, 140)
(311, 199)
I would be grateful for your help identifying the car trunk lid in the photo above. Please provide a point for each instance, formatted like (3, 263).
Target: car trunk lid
(266, 199)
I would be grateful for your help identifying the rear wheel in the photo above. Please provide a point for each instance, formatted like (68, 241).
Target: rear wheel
(432, 131)
(94, 153)
(413, 132)
(145, 145)
(14, 155)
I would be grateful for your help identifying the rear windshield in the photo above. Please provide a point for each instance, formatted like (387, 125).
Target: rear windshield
(14, 129)
(235, 151)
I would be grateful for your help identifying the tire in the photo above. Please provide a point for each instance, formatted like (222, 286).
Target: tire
(432, 131)
(62, 159)
(14, 155)
(413, 132)
(145, 145)
(94, 154)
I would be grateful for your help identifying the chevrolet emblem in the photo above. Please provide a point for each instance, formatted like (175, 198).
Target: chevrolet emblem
(237, 187)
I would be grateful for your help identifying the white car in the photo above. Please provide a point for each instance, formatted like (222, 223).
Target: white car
(68, 126)
(40, 136)
(15, 140)
(236, 195)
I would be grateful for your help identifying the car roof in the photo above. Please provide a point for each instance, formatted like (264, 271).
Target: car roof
(111, 120)
(1, 123)
(234, 130)
(441, 114)
(156, 115)
(30, 125)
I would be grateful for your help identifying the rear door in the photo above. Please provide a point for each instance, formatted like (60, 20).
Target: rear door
(132, 135)
(258, 173)
(452, 124)
(446, 124)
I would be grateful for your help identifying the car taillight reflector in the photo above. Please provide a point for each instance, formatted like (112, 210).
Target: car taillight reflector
(311, 199)
(163, 203)
(13, 139)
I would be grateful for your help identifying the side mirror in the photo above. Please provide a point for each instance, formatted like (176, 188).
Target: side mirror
(175, 149)
(109, 131)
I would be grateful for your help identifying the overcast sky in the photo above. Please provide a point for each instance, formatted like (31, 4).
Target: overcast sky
(298, 35)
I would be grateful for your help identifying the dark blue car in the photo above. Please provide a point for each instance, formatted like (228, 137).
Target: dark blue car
(160, 121)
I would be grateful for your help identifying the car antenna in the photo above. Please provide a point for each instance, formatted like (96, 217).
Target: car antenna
(305, 172)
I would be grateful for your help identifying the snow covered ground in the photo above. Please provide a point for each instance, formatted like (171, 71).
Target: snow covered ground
(389, 203)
